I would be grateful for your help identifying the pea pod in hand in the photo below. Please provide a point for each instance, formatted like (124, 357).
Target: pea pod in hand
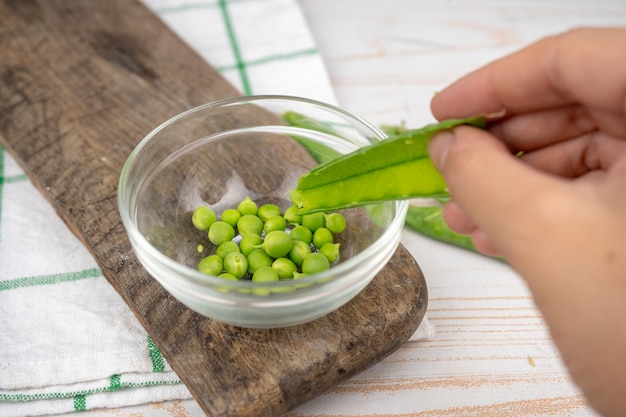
(394, 169)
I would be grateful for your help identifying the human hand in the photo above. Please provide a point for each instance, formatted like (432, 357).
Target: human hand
(557, 213)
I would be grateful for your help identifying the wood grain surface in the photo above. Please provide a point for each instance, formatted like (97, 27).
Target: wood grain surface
(81, 82)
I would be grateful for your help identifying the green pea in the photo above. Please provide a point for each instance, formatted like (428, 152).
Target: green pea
(286, 288)
(228, 276)
(220, 232)
(203, 217)
(314, 220)
(264, 274)
(277, 243)
(302, 233)
(290, 254)
(268, 210)
(225, 276)
(249, 223)
(211, 265)
(249, 243)
(275, 223)
(247, 206)
(335, 222)
(321, 237)
(236, 263)
(291, 215)
(330, 251)
(284, 267)
(230, 216)
(257, 259)
(226, 247)
(297, 276)
(299, 250)
(314, 263)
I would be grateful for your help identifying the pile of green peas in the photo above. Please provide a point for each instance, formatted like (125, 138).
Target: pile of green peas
(262, 244)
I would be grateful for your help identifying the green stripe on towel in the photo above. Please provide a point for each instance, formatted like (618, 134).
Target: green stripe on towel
(271, 58)
(116, 382)
(158, 364)
(80, 402)
(241, 66)
(13, 178)
(192, 6)
(7, 180)
(49, 279)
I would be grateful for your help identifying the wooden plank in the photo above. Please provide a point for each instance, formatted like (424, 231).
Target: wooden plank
(81, 82)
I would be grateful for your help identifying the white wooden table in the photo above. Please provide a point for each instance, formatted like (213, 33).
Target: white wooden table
(492, 355)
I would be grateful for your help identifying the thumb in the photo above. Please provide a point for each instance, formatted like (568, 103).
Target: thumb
(504, 197)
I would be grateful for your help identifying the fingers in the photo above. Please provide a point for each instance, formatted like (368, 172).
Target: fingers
(503, 85)
(498, 193)
(524, 214)
(458, 221)
(579, 156)
(536, 130)
(483, 243)
(556, 72)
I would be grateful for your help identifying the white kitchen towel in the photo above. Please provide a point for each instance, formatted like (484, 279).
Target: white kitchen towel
(68, 342)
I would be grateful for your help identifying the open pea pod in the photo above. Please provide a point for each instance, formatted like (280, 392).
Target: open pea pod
(394, 169)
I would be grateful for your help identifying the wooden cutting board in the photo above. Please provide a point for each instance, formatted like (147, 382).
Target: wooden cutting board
(81, 82)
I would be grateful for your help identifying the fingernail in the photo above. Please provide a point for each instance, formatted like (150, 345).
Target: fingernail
(439, 146)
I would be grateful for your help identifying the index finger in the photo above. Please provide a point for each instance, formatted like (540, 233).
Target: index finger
(582, 66)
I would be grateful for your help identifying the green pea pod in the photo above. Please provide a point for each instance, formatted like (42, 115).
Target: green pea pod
(319, 152)
(393, 130)
(300, 120)
(428, 221)
(393, 169)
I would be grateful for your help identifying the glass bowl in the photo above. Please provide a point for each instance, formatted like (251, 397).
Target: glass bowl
(218, 154)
